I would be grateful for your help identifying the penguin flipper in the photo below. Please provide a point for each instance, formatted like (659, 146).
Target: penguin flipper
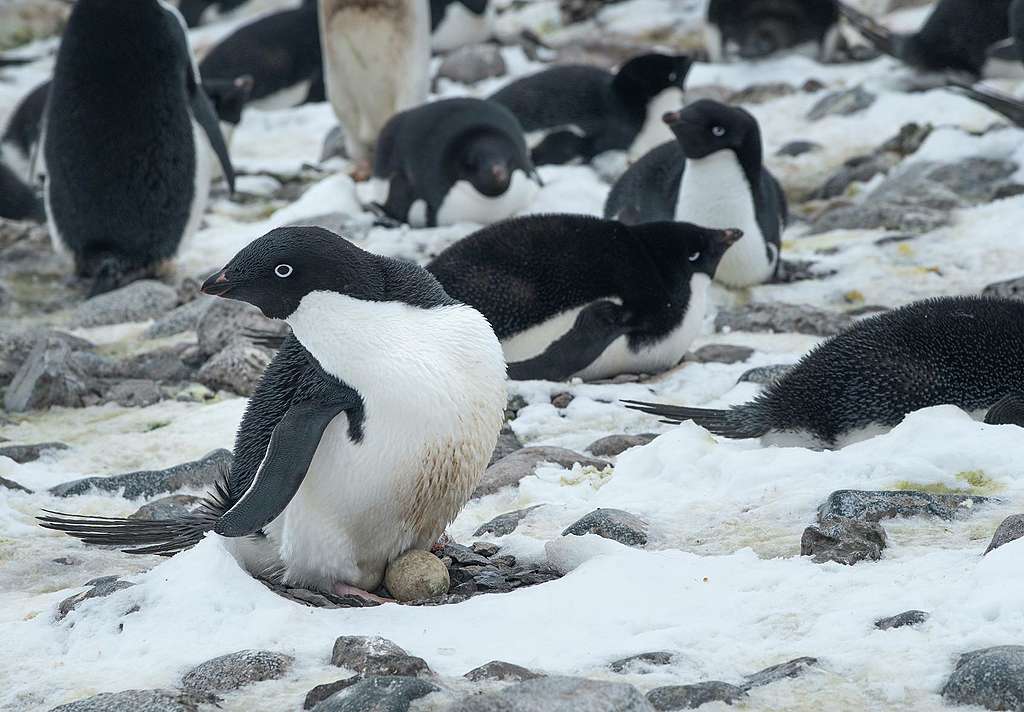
(1008, 411)
(881, 38)
(1007, 50)
(732, 423)
(206, 116)
(559, 148)
(1011, 108)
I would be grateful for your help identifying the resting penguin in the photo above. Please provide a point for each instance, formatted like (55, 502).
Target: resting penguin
(127, 167)
(577, 111)
(713, 175)
(366, 434)
(758, 28)
(964, 351)
(196, 12)
(574, 295)
(376, 64)
(452, 161)
(457, 23)
(17, 200)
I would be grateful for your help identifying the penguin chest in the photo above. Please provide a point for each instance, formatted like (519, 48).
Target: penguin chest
(461, 27)
(655, 132)
(463, 203)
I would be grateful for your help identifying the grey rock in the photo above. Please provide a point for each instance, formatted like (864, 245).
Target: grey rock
(170, 507)
(614, 445)
(101, 588)
(511, 469)
(873, 506)
(790, 271)
(373, 655)
(858, 169)
(136, 701)
(760, 93)
(334, 144)
(783, 318)
(908, 139)
(322, 692)
(842, 540)
(721, 353)
(507, 444)
(472, 64)
(562, 400)
(499, 670)
(1010, 289)
(182, 319)
(558, 694)
(798, 148)
(138, 301)
(163, 364)
(765, 374)
(1011, 529)
(902, 620)
(237, 368)
(992, 678)
(225, 322)
(788, 669)
(688, 697)
(642, 660)
(462, 555)
(198, 474)
(234, 670)
(27, 453)
(973, 179)
(505, 523)
(615, 524)
(841, 103)
(12, 485)
(377, 694)
(17, 343)
(133, 393)
(48, 377)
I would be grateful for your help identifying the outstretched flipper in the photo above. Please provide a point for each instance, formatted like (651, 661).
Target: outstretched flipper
(880, 37)
(1008, 411)
(1004, 104)
(734, 423)
(1007, 51)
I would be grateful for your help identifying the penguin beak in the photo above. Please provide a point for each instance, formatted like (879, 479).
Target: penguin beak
(217, 285)
(722, 240)
(671, 118)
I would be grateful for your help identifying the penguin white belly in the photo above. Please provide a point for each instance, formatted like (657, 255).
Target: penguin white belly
(461, 27)
(286, 98)
(201, 183)
(655, 132)
(17, 160)
(534, 138)
(714, 192)
(713, 43)
(463, 203)
(535, 340)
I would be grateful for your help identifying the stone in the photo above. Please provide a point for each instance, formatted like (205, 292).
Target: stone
(484, 548)
(843, 540)
(505, 523)
(171, 507)
(509, 470)
(163, 364)
(198, 474)
(721, 353)
(237, 368)
(137, 701)
(499, 670)
(1010, 289)
(322, 692)
(139, 301)
(765, 375)
(133, 393)
(558, 694)
(798, 148)
(902, 620)
(859, 169)
(28, 453)
(874, 506)
(181, 319)
(472, 64)
(234, 670)
(373, 655)
(973, 179)
(790, 271)
(991, 677)
(1010, 529)
(760, 93)
(12, 485)
(101, 588)
(377, 694)
(614, 445)
(686, 697)
(507, 444)
(462, 555)
(775, 673)
(782, 318)
(48, 377)
(226, 322)
(616, 524)
(842, 103)
(642, 660)
(416, 575)
(562, 400)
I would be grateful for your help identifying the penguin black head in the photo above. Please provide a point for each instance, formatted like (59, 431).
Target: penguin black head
(648, 75)
(229, 96)
(703, 247)
(706, 126)
(485, 160)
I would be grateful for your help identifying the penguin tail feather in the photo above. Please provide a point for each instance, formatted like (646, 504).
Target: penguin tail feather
(734, 423)
(1008, 106)
(165, 537)
(881, 38)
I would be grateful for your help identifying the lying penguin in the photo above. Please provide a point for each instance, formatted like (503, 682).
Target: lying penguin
(367, 432)
(574, 295)
(457, 23)
(453, 161)
(757, 28)
(574, 111)
(964, 351)
(712, 174)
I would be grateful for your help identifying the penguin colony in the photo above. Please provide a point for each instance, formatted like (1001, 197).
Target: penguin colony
(382, 351)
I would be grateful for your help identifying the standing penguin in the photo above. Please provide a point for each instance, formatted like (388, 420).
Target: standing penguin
(376, 64)
(457, 23)
(574, 295)
(366, 434)
(577, 111)
(758, 28)
(127, 168)
(713, 175)
(964, 351)
(452, 161)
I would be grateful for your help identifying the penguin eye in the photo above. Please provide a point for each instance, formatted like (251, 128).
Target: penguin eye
(718, 131)
(673, 76)
(283, 271)
(694, 257)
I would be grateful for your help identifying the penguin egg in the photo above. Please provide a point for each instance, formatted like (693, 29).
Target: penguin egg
(417, 575)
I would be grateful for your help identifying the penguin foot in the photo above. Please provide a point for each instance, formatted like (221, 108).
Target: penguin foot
(342, 589)
(361, 172)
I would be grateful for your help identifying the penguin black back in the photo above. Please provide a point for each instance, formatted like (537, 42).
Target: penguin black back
(17, 200)
(758, 28)
(647, 191)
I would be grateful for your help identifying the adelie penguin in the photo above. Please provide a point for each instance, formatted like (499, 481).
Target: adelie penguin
(963, 351)
(195, 12)
(573, 295)
(457, 23)
(366, 434)
(577, 112)
(712, 174)
(126, 161)
(452, 161)
(757, 28)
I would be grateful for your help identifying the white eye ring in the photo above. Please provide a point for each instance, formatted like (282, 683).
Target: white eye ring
(718, 131)
(283, 271)
(694, 257)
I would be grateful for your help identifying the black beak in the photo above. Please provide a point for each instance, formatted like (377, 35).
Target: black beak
(730, 237)
(672, 118)
(500, 173)
(217, 285)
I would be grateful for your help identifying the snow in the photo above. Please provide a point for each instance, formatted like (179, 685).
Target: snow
(721, 580)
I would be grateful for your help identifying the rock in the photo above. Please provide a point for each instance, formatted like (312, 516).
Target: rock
(841, 103)
(558, 694)
(27, 453)
(238, 368)
(687, 697)
(133, 393)
(416, 575)
(1011, 529)
(1010, 288)
(782, 318)
(322, 692)
(875, 506)
(373, 655)
(48, 377)
(511, 469)
(992, 678)
(908, 139)
(462, 555)
(790, 668)
(902, 620)
(765, 374)
(12, 485)
(163, 364)
(760, 93)
(790, 271)
(472, 64)
(660, 657)
(507, 444)
(234, 670)
(505, 523)
(845, 541)
(499, 670)
(198, 474)
(721, 353)
(139, 301)
(101, 588)
(484, 548)
(798, 148)
(226, 322)
(859, 169)
(170, 507)
(562, 400)
(182, 319)
(614, 445)
(377, 694)
(973, 179)
(137, 701)
(615, 524)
